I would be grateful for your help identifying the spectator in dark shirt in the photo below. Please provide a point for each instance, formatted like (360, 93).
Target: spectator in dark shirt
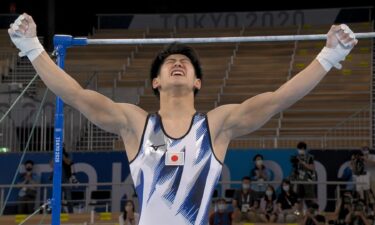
(287, 203)
(221, 216)
(243, 201)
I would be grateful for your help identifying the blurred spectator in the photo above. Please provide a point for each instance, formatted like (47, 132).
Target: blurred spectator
(370, 164)
(221, 215)
(268, 206)
(361, 177)
(357, 214)
(259, 174)
(371, 214)
(304, 170)
(129, 216)
(344, 206)
(312, 216)
(357, 172)
(370, 167)
(287, 204)
(243, 200)
(68, 169)
(67, 177)
(347, 176)
(27, 195)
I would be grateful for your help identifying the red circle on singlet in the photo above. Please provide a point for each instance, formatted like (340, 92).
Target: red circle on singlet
(174, 158)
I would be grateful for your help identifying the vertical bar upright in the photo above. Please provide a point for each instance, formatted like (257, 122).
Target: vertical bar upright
(60, 49)
(61, 43)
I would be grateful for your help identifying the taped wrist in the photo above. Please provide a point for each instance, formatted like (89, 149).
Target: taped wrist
(29, 47)
(331, 57)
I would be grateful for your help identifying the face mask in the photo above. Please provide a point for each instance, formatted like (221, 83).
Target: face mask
(259, 162)
(221, 207)
(269, 193)
(128, 208)
(245, 186)
(286, 188)
(301, 151)
(29, 169)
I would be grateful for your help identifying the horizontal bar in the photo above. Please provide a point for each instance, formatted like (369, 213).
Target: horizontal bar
(219, 39)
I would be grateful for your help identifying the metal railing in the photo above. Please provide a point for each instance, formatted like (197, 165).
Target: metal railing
(86, 203)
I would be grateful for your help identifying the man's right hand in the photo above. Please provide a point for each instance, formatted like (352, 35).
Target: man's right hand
(340, 41)
(23, 34)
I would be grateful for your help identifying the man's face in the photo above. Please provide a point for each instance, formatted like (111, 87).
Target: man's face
(245, 184)
(29, 167)
(177, 73)
(301, 151)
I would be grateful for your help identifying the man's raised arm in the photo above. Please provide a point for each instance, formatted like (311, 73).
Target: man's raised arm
(97, 108)
(241, 119)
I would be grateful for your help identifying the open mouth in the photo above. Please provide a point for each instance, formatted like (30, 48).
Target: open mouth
(177, 73)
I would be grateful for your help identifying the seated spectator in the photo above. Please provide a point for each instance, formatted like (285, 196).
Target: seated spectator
(371, 214)
(287, 204)
(221, 216)
(268, 207)
(357, 215)
(259, 174)
(242, 202)
(344, 206)
(27, 195)
(312, 216)
(129, 216)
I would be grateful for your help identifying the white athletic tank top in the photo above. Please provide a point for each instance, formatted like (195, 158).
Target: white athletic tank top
(175, 194)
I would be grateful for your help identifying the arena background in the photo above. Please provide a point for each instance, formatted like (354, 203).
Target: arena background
(76, 18)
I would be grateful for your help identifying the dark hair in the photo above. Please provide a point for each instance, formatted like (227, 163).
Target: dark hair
(273, 197)
(256, 156)
(29, 162)
(172, 49)
(285, 181)
(246, 178)
(302, 145)
(125, 214)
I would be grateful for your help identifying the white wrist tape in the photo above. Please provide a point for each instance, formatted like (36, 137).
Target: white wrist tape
(29, 47)
(331, 57)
